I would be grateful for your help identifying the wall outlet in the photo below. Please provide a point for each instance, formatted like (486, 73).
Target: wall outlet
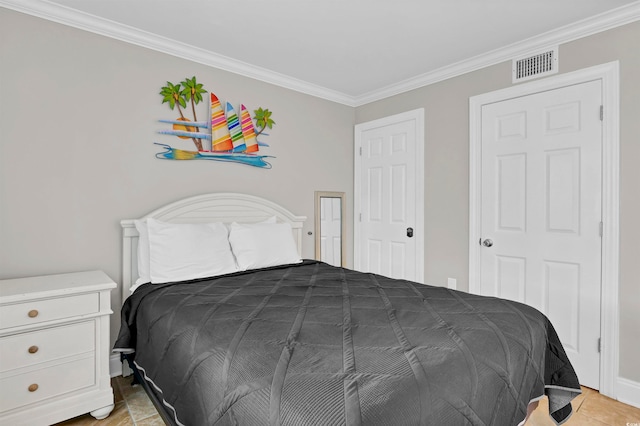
(452, 283)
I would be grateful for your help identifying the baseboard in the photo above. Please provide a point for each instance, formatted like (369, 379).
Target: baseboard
(628, 392)
(115, 365)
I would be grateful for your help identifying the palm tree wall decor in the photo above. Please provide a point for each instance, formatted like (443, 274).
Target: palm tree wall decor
(242, 148)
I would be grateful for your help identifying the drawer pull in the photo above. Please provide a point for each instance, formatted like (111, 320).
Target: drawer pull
(33, 313)
(33, 387)
(33, 349)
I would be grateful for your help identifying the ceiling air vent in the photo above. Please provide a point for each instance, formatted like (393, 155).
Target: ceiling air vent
(534, 66)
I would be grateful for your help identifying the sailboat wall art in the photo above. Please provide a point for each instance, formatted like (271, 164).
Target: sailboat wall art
(230, 135)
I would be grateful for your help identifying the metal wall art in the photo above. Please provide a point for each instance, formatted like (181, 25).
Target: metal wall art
(228, 136)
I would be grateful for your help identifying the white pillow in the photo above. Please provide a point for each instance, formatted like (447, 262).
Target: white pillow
(180, 251)
(143, 254)
(261, 245)
(144, 267)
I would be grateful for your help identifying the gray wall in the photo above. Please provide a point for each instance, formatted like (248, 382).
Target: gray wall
(78, 118)
(446, 225)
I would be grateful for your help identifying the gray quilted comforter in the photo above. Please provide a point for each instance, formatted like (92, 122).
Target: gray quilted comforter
(312, 344)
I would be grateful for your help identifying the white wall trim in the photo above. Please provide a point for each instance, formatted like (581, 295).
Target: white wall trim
(115, 366)
(84, 21)
(605, 21)
(87, 22)
(418, 116)
(609, 75)
(628, 392)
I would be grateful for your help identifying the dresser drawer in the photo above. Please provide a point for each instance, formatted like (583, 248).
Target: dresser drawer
(26, 349)
(38, 311)
(28, 388)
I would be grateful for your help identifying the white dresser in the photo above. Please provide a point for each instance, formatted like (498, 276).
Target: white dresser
(54, 348)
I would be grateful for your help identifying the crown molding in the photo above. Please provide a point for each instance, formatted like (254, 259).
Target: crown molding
(74, 18)
(105, 27)
(586, 27)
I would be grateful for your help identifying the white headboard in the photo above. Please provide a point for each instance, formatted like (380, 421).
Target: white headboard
(215, 207)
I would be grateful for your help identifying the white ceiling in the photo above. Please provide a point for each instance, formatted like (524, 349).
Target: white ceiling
(350, 51)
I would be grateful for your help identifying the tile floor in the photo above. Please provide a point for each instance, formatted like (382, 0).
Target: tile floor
(133, 408)
(590, 409)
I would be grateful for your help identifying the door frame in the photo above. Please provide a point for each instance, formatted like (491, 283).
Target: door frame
(417, 115)
(608, 75)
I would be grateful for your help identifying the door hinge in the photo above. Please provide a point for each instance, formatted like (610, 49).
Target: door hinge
(599, 344)
(360, 217)
(601, 112)
(360, 151)
(601, 228)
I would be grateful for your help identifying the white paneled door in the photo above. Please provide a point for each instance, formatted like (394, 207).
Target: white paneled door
(541, 212)
(388, 193)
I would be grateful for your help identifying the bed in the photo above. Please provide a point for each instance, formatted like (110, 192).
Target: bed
(292, 341)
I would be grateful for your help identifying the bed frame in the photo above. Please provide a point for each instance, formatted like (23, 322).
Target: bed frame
(215, 207)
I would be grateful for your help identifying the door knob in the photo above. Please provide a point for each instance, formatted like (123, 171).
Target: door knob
(487, 243)
(409, 232)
